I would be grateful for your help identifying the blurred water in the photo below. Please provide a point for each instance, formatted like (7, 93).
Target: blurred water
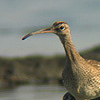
(45, 44)
(33, 92)
(19, 15)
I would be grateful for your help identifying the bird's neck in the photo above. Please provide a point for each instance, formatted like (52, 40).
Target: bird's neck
(71, 53)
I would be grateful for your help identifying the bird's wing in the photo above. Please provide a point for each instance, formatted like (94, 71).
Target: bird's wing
(95, 80)
(94, 63)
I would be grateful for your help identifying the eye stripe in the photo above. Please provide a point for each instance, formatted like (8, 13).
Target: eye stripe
(57, 29)
(58, 23)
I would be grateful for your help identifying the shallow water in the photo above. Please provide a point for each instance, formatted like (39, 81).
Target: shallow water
(33, 92)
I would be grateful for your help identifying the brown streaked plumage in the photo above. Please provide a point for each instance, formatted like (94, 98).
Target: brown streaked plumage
(81, 77)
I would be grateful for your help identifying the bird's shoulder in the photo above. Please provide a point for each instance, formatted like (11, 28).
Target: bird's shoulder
(94, 78)
(94, 63)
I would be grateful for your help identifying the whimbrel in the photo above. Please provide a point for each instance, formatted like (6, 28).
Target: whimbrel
(81, 77)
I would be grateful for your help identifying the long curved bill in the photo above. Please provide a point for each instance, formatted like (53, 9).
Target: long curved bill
(46, 30)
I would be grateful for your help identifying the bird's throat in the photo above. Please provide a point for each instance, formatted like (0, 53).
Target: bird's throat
(70, 50)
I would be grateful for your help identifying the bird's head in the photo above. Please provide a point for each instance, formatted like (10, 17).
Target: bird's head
(59, 28)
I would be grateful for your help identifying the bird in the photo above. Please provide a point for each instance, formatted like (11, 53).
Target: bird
(81, 77)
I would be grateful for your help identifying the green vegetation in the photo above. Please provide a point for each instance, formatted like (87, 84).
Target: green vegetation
(37, 69)
(93, 53)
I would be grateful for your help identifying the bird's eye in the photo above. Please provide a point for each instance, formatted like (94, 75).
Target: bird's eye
(62, 27)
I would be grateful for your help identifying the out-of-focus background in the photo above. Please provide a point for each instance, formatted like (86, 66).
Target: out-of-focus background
(31, 69)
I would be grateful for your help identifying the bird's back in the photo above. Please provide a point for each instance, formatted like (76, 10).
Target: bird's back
(94, 63)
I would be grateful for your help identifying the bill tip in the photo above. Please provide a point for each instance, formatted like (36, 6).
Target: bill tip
(23, 38)
(26, 36)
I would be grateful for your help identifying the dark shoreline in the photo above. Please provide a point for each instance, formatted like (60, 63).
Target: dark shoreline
(37, 69)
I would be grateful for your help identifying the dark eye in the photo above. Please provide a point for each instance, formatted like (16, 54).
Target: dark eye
(62, 27)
